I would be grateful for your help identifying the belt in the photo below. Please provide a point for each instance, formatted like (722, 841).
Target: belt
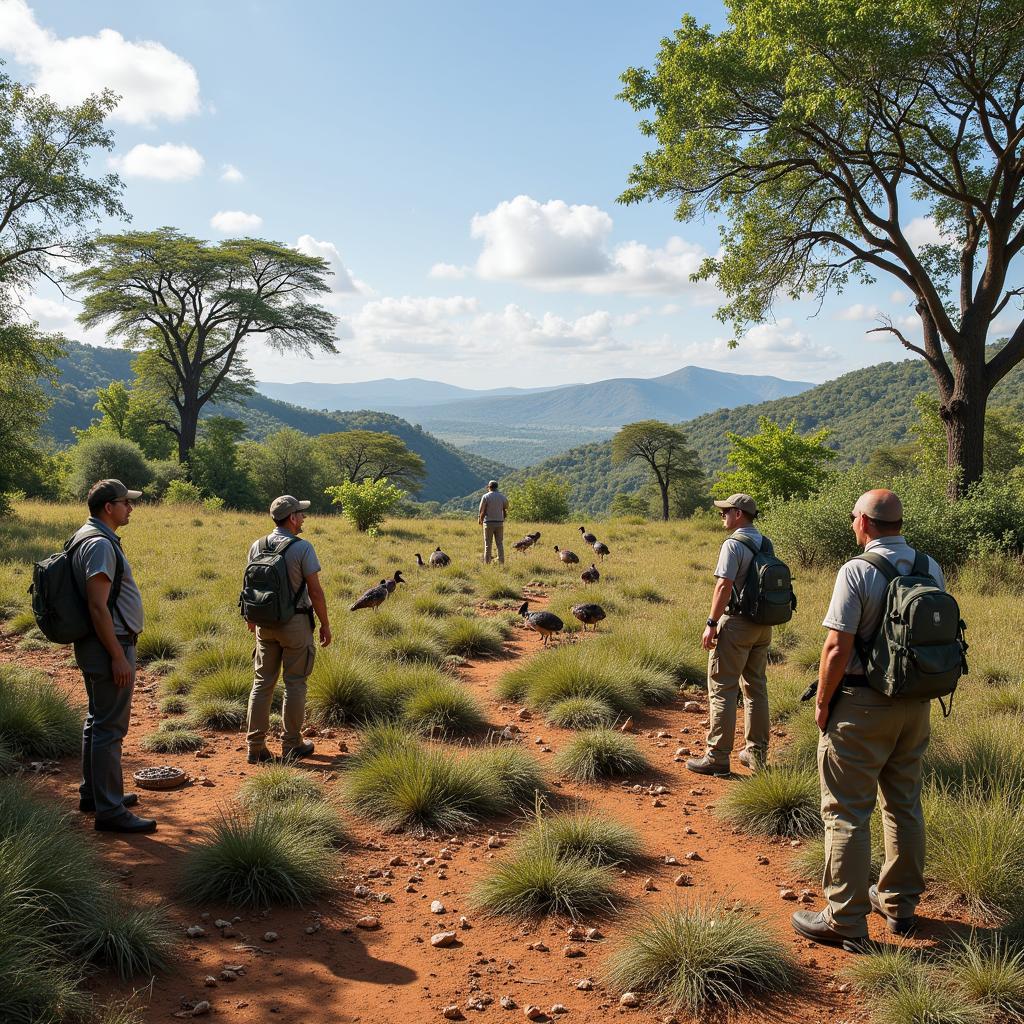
(493, 522)
(854, 681)
(127, 639)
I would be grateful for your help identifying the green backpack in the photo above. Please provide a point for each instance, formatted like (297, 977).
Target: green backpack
(766, 596)
(918, 650)
(266, 598)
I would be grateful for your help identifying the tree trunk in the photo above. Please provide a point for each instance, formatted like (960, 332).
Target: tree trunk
(189, 429)
(963, 414)
(663, 487)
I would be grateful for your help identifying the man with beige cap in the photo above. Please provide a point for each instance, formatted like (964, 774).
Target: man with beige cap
(870, 745)
(738, 660)
(287, 644)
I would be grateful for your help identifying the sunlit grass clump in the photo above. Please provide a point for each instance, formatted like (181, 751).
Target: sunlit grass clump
(516, 775)
(129, 940)
(444, 708)
(158, 641)
(600, 754)
(580, 713)
(774, 802)
(990, 973)
(591, 837)
(341, 689)
(37, 718)
(278, 784)
(980, 755)
(699, 957)
(171, 738)
(470, 636)
(217, 713)
(227, 683)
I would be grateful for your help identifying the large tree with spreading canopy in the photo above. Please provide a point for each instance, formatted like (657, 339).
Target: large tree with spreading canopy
(820, 132)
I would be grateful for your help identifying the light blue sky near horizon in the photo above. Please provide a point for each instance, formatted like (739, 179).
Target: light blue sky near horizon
(383, 130)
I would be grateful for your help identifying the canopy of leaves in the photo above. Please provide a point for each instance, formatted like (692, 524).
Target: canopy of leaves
(666, 452)
(368, 504)
(539, 499)
(356, 455)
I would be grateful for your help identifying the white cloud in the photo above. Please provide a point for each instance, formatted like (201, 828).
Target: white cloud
(161, 163)
(231, 174)
(235, 222)
(152, 81)
(448, 272)
(922, 231)
(344, 283)
(859, 311)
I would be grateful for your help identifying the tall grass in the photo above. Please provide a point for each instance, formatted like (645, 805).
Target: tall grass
(591, 837)
(774, 802)
(600, 754)
(279, 784)
(37, 718)
(341, 689)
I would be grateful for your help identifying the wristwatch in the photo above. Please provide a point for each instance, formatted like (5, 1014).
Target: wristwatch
(713, 623)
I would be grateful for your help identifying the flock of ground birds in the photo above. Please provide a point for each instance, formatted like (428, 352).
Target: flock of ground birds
(547, 624)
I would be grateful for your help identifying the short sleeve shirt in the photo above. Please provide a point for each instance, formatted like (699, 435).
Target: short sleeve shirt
(735, 557)
(299, 558)
(493, 505)
(858, 598)
(95, 556)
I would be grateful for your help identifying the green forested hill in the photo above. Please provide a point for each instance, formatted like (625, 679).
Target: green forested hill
(450, 471)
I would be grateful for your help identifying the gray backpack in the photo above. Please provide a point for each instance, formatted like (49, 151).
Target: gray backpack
(919, 649)
(766, 596)
(266, 598)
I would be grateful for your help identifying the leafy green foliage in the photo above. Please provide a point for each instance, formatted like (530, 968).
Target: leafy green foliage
(541, 498)
(101, 456)
(368, 504)
(355, 455)
(665, 451)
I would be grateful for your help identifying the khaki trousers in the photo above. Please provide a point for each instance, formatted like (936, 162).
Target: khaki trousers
(874, 745)
(494, 532)
(739, 662)
(290, 646)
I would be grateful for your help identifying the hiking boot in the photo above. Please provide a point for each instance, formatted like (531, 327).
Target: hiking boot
(126, 822)
(896, 925)
(706, 766)
(817, 928)
(259, 756)
(294, 753)
(88, 805)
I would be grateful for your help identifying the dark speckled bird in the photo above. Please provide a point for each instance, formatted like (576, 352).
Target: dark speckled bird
(438, 559)
(545, 623)
(373, 598)
(588, 537)
(601, 549)
(527, 542)
(394, 581)
(588, 614)
(568, 557)
(591, 575)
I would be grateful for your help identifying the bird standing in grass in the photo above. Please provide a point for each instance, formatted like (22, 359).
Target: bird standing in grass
(392, 583)
(591, 575)
(438, 559)
(545, 623)
(527, 542)
(373, 598)
(588, 537)
(588, 614)
(601, 549)
(568, 557)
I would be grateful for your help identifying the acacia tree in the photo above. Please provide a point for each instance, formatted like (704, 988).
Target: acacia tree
(666, 451)
(192, 306)
(357, 455)
(820, 131)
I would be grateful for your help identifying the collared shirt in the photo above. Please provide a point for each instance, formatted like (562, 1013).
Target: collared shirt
(735, 557)
(858, 598)
(493, 505)
(299, 558)
(94, 556)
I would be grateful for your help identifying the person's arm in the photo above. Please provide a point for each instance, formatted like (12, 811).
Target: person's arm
(319, 602)
(483, 505)
(719, 602)
(97, 593)
(835, 656)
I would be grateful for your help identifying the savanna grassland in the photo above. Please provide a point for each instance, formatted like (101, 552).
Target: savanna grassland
(458, 761)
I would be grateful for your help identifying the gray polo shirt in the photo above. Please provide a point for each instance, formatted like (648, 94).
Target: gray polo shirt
(858, 598)
(299, 558)
(735, 557)
(96, 555)
(493, 505)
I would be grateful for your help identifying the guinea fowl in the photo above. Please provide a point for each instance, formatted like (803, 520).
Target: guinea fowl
(568, 557)
(588, 614)
(590, 575)
(588, 537)
(394, 581)
(601, 549)
(527, 542)
(545, 623)
(373, 598)
(438, 559)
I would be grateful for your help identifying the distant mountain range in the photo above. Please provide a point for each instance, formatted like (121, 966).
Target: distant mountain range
(521, 426)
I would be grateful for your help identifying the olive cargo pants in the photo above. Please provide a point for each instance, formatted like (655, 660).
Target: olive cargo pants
(873, 746)
(291, 646)
(494, 532)
(738, 662)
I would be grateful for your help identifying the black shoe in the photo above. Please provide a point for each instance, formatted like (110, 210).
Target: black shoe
(294, 753)
(817, 928)
(259, 756)
(126, 822)
(705, 766)
(89, 806)
(896, 925)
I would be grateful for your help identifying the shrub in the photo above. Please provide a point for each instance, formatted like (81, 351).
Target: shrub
(106, 455)
(445, 708)
(600, 754)
(919, 999)
(182, 492)
(991, 974)
(368, 504)
(470, 636)
(540, 882)
(597, 840)
(341, 689)
(128, 940)
(697, 957)
(580, 713)
(37, 718)
(540, 499)
(171, 740)
(250, 860)
(514, 774)
(279, 784)
(217, 713)
(774, 802)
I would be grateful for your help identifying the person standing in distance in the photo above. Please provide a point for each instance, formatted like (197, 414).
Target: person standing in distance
(738, 649)
(870, 745)
(107, 655)
(288, 646)
(493, 509)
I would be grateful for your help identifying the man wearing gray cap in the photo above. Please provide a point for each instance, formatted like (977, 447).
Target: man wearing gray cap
(286, 645)
(107, 655)
(738, 659)
(493, 509)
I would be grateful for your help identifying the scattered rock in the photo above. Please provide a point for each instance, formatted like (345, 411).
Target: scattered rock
(787, 894)
(694, 855)
(657, 802)
(201, 1008)
(534, 1013)
(664, 735)
(442, 940)
(495, 843)
(270, 937)
(763, 860)
(507, 1003)
(524, 714)
(671, 860)
(210, 981)
(577, 932)
(195, 931)
(396, 862)
(684, 879)
(629, 999)
(572, 952)
(537, 947)
(221, 923)
(228, 975)
(585, 984)
(558, 1008)
(361, 892)
(369, 923)
(649, 885)
(690, 705)
(593, 935)
(437, 907)
(452, 1013)
(342, 747)
(464, 923)
(844, 988)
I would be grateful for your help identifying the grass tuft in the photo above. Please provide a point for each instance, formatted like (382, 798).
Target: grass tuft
(470, 636)
(774, 802)
(158, 642)
(226, 683)
(217, 713)
(600, 754)
(597, 840)
(37, 718)
(580, 713)
(515, 775)
(443, 707)
(129, 940)
(990, 973)
(171, 738)
(279, 784)
(920, 999)
(341, 689)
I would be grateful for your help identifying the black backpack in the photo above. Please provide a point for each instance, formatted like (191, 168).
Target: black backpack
(766, 596)
(60, 607)
(266, 598)
(919, 648)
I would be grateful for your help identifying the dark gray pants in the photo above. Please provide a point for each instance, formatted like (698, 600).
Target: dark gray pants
(105, 728)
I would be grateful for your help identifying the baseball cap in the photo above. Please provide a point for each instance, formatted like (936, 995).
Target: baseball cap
(110, 490)
(284, 506)
(744, 502)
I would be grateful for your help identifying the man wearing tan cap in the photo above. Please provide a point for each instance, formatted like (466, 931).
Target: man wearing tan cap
(871, 746)
(288, 645)
(738, 659)
(107, 655)
(493, 509)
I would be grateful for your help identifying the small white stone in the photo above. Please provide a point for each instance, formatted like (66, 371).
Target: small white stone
(195, 931)
(443, 939)
(585, 985)
(201, 1008)
(437, 907)
(270, 937)
(629, 999)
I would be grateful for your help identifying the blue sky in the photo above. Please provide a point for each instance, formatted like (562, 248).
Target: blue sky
(458, 164)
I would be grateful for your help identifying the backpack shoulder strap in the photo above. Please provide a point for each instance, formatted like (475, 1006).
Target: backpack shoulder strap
(115, 583)
(921, 566)
(766, 546)
(745, 541)
(881, 563)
